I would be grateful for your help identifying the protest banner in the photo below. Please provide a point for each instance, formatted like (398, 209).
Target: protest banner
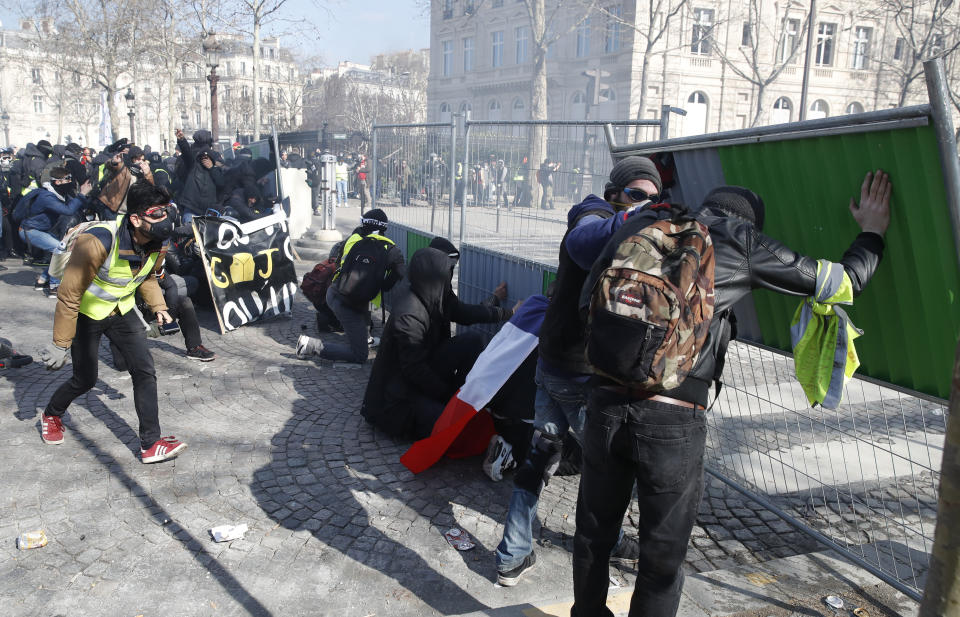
(249, 267)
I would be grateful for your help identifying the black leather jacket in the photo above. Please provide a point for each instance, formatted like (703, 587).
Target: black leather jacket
(745, 259)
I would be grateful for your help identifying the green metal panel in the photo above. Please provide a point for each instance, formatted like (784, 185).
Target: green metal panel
(549, 276)
(910, 311)
(415, 242)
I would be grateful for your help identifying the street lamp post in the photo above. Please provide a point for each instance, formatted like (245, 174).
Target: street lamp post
(5, 119)
(131, 102)
(211, 51)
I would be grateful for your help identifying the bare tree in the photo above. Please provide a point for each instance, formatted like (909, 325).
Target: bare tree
(941, 597)
(766, 48)
(104, 39)
(544, 31)
(650, 26)
(923, 28)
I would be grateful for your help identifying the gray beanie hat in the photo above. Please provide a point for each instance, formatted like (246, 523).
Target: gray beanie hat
(629, 169)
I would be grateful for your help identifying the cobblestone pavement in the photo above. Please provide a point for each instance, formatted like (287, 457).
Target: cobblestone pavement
(337, 524)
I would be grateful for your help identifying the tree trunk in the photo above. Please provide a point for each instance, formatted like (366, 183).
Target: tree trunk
(644, 65)
(941, 597)
(759, 110)
(538, 97)
(256, 77)
(114, 112)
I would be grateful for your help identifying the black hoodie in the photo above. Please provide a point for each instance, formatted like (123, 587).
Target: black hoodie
(418, 325)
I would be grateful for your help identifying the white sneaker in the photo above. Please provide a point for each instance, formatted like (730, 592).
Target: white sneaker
(499, 457)
(307, 346)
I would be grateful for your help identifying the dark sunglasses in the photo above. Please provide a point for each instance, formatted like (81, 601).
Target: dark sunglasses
(640, 195)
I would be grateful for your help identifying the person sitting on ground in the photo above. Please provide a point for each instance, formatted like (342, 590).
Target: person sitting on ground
(53, 200)
(419, 366)
(371, 264)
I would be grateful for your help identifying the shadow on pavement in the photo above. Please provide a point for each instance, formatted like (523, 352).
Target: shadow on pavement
(332, 474)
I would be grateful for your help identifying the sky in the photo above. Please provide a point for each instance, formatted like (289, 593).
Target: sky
(340, 29)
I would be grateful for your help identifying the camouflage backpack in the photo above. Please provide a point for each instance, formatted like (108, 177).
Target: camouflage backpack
(651, 307)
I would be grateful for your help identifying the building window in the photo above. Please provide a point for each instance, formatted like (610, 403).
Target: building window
(196, 116)
(583, 38)
(523, 44)
(789, 39)
(825, 35)
(898, 49)
(468, 54)
(447, 51)
(266, 71)
(448, 9)
(270, 96)
(746, 35)
(519, 110)
(244, 92)
(497, 38)
(271, 53)
(38, 103)
(444, 112)
(782, 111)
(702, 28)
(469, 8)
(695, 122)
(291, 74)
(612, 41)
(854, 108)
(861, 48)
(35, 76)
(819, 109)
(493, 111)
(226, 93)
(196, 93)
(181, 96)
(465, 107)
(243, 68)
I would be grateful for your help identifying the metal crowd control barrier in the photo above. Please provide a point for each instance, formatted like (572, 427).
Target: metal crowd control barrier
(862, 479)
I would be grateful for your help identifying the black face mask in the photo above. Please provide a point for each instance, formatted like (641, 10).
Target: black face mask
(161, 230)
(66, 190)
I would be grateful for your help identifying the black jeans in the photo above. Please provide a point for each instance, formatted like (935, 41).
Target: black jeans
(126, 332)
(659, 447)
(181, 308)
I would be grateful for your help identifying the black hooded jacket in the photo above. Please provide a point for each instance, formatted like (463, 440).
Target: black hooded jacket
(27, 169)
(200, 187)
(418, 325)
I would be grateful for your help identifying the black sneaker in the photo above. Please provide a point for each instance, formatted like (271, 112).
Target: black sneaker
(201, 353)
(51, 292)
(512, 577)
(40, 285)
(627, 553)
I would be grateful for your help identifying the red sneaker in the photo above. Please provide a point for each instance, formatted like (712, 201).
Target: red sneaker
(164, 448)
(51, 429)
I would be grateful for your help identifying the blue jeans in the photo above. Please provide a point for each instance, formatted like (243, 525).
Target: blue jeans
(559, 406)
(45, 242)
(341, 192)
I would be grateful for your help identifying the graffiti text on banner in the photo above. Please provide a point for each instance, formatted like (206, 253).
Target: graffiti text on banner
(249, 267)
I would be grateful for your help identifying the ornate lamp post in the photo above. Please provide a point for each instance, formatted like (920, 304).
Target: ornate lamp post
(131, 102)
(211, 52)
(5, 120)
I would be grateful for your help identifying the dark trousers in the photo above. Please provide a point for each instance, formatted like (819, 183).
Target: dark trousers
(126, 332)
(181, 309)
(453, 359)
(659, 447)
(356, 329)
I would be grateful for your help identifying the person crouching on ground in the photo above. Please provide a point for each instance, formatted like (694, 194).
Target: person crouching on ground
(108, 264)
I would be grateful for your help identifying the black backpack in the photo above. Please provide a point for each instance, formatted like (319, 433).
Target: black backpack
(363, 269)
(22, 210)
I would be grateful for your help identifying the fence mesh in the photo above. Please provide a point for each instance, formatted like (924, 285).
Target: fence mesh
(502, 200)
(866, 475)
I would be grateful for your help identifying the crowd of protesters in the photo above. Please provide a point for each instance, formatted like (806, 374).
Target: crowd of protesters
(636, 442)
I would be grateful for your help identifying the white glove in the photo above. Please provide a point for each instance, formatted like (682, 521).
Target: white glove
(54, 357)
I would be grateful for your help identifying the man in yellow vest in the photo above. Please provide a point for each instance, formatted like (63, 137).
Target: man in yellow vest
(108, 264)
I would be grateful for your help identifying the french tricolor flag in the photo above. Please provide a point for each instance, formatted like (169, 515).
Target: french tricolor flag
(502, 356)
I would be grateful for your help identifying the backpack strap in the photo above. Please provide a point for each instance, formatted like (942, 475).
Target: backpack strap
(728, 332)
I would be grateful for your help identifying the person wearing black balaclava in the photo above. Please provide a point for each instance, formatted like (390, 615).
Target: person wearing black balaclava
(356, 319)
(200, 171)
(56, 198)
(108, 264)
